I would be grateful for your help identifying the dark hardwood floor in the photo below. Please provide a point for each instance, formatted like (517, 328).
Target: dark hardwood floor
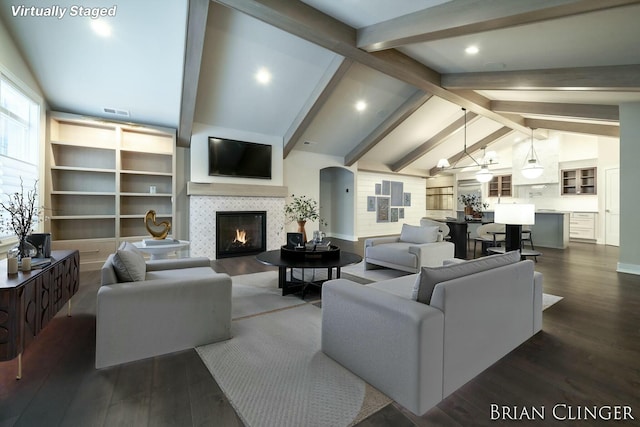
(587, 354)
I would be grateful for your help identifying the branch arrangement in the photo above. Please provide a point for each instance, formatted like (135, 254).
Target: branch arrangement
(23, 211)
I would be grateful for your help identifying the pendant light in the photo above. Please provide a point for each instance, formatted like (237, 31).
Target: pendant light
(484, 174)
(532, 168)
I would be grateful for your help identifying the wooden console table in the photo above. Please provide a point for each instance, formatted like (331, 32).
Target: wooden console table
(29, 300)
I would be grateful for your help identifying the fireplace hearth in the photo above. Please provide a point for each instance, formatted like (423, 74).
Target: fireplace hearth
(240, 233)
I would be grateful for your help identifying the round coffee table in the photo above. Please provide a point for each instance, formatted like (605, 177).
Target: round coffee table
(294, 285)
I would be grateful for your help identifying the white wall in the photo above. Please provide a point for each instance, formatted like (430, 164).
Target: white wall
(302, 177)
(366, 225)
(12, 63)
(629, 195)
(200, 154)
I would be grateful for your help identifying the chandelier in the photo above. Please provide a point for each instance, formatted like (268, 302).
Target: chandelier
(484, 174)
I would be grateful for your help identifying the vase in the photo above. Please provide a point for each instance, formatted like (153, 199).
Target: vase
(468, 210)
(24, 248)
(302, 230)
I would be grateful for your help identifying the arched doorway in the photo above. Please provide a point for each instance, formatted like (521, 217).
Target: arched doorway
(337, 202)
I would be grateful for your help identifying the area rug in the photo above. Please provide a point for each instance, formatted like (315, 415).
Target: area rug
(376, 275)
(257, 293)
(548, 300)
(274, 374)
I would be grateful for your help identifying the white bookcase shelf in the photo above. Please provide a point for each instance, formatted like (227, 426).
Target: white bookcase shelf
(101, 179)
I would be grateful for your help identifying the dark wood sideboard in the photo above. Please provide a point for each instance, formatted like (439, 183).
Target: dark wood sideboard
(29, 300)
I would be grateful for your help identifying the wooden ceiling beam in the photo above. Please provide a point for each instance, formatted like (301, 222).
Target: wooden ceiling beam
(196, 29)
(332, 77)
(305, 22)
(434, 141)
(577, 111)
(484, 142)
(463, 17)
(575, 127)
(394, 120)
(606, 78)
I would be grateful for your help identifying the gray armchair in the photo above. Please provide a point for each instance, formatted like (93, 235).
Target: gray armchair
(172, 305)
(415, 247)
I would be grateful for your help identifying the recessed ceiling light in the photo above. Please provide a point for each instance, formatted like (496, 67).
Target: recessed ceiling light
(263, 76)
(361, 106)
(472, 50)
(101, 27)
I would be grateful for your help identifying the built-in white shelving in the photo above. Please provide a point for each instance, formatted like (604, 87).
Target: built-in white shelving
(102, 177)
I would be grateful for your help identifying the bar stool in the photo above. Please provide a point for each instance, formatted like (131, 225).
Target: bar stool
(526, 237)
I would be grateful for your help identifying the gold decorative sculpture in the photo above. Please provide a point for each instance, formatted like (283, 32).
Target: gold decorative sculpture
(157, 235)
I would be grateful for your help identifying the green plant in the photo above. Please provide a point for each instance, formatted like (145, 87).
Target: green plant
(303, 208)
(473, 201)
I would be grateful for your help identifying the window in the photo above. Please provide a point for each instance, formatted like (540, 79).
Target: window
(19, 142)
(440, 198)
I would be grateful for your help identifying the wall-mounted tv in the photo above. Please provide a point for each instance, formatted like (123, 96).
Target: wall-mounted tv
(241, 159)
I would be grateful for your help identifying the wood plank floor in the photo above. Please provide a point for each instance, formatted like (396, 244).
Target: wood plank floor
(587, 354)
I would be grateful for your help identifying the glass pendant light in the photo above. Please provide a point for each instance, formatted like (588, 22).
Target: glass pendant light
(484, 174)
(532, 168)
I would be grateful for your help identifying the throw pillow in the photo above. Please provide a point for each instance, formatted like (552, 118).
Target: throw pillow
(429, 277)
(128, 246)
(417, 234)
(129, 266)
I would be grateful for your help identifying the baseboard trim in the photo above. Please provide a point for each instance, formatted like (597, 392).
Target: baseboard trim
(344, 237)
(628, 268)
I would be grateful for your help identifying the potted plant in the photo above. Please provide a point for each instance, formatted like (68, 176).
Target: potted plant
(23, 214)
(302, 209)
(473, 205)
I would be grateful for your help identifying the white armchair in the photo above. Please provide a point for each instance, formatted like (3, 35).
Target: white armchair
(415, 247)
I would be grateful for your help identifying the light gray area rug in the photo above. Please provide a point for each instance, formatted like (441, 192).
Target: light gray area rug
(376, 275)
(257, 293)
(274, 374)
(548, 300)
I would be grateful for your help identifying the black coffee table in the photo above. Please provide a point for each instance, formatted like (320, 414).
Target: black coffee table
(294, 285)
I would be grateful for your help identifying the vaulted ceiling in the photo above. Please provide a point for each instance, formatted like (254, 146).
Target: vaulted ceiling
(561, 65)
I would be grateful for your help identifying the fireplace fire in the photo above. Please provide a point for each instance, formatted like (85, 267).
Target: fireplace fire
(241, 237)
(240, 233)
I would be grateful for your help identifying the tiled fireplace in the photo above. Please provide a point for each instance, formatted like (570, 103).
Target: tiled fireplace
(207, 200)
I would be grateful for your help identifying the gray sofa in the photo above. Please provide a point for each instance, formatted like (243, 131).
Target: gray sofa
(418, 354)
(179, 304)
(414, 247)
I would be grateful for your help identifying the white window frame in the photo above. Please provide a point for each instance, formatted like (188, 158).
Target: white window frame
(11, 168)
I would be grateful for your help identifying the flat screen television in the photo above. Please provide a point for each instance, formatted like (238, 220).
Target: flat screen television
(241, 159)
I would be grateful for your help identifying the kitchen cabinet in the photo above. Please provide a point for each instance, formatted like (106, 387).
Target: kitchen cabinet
(579, 181)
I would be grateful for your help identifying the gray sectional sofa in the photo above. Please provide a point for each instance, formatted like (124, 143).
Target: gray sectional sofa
(420, 353)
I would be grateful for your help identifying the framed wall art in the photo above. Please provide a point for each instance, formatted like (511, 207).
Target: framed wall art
(371, 204)
(382, 209)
